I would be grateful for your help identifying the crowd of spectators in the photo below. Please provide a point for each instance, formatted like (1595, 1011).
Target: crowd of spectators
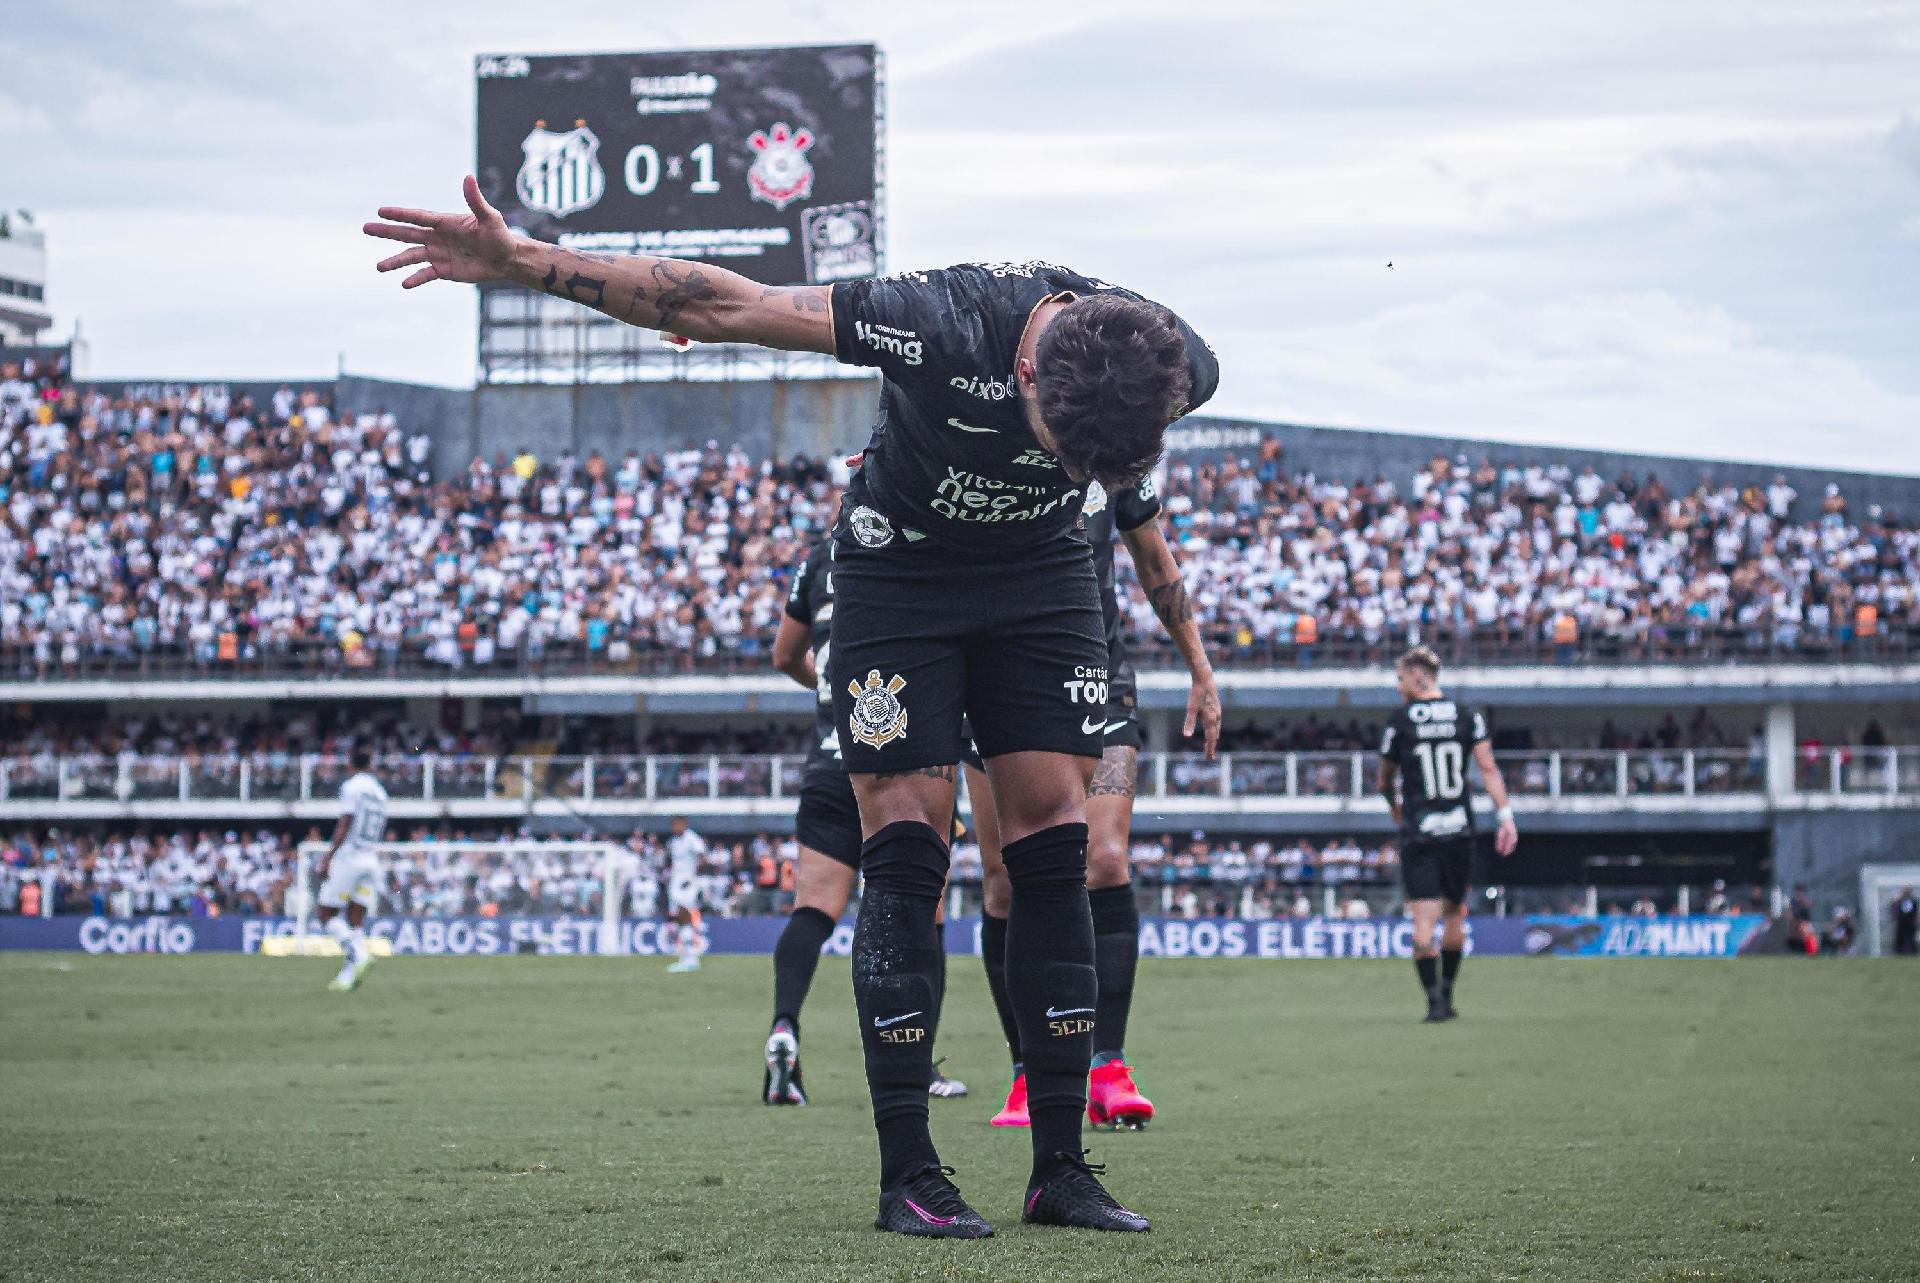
(211, 871)
(235, 532)
(206, 525)
(49, 732)
(1519, 554)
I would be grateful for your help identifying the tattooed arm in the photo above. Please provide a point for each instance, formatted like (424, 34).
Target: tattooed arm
(694, 300)
(1159, 573)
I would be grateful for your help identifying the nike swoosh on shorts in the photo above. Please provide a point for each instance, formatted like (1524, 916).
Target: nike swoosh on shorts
(882, 1024)
(1091, 727)
(1070, 1011)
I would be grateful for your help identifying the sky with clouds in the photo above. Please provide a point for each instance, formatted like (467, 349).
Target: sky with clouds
(1685, 226)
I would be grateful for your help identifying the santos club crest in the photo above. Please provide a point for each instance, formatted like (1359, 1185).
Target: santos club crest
(781, 173)
(561, 174)
(878, 716)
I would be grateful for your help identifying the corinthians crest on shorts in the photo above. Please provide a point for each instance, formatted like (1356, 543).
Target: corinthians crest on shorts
(781, 173)
(878, 716)
(871, 528)
(561, 174)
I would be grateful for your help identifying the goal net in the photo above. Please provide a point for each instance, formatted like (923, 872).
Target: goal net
(489, 897)
(1879, 885)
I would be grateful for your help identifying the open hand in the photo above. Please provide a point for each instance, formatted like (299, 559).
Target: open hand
(471, 247)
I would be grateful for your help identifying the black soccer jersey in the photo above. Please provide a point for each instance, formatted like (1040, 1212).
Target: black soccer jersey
(952, 456)
(1431, 741)
(1109, 514)
(810, 600)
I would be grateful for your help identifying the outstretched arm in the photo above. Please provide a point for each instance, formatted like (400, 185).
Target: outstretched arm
(694, 300)
(1159, 573)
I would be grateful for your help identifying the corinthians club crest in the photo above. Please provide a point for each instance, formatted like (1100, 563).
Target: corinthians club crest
(561, 174)
(781, 172)
(871, 528)
(878, 716)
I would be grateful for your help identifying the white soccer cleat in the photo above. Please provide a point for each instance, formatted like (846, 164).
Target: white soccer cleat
(348, 977)
(944, 1087)
(782, 1083)
(684, 965)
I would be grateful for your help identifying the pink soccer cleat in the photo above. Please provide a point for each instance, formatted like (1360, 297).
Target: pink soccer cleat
(1112, 1099)
(1014, 1112)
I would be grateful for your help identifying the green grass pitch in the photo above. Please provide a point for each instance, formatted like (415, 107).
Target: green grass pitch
(225, 1118)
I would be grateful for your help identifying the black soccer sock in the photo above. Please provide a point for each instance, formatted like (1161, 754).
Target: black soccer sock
(1429, 973)
(1116, 956)
(993, 950)
(1449, 968)
(939, 977)
(896, 976)
(795, 958)
(1051, 981)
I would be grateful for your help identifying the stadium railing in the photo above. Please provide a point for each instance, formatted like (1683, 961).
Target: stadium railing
(316, 658)
(518, 781)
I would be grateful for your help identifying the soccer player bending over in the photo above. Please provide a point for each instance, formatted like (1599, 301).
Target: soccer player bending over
(827, 826)
(963, 589)
(349, 872)
(1423, 776)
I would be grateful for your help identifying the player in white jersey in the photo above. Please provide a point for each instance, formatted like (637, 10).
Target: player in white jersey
(350, 871)
(685, 850)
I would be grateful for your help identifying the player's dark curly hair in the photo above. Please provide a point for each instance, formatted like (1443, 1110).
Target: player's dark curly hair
(1111, 374)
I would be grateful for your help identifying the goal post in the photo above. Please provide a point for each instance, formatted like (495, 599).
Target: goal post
(443, 869)
(1879, 885)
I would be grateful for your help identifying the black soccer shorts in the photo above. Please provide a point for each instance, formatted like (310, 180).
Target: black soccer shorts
(828, 820)
(1123, 728)
(1123, 714)
(1440, 870)
(925, 635)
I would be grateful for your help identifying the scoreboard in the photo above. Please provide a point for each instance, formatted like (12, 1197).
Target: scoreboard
(765, 161)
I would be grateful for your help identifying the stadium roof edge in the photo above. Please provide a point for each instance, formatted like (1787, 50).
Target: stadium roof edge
(1476, 448)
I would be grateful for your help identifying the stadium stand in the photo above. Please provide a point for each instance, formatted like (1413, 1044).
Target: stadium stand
(185, 571)
(213, 533)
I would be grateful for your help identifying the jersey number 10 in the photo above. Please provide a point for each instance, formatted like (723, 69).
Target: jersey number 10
(1442, 769)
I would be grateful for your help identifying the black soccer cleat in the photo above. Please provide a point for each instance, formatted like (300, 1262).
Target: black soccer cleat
(1070, 1194)
(927, 1205)
(1446, 1003)
(1436, 1009)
